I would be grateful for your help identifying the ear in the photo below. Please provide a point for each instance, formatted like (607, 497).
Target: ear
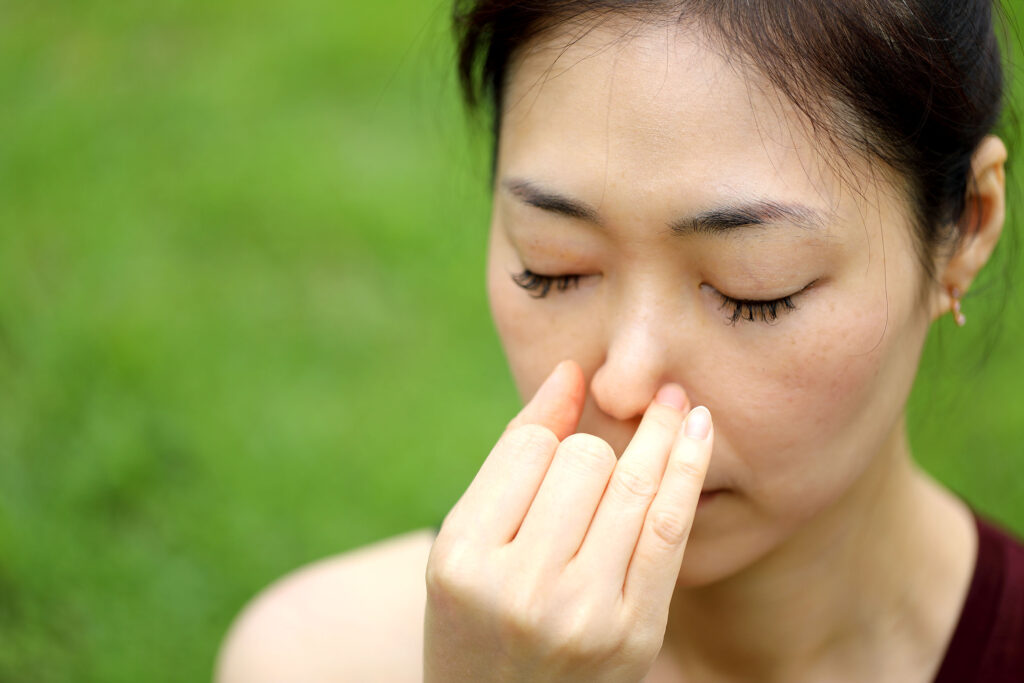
(980, 226)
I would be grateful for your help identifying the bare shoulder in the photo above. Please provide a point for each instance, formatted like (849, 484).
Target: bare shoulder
(356, 616)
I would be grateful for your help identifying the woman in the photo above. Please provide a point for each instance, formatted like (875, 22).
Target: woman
(758, 209)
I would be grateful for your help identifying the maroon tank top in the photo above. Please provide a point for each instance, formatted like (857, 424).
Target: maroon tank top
(988, 643)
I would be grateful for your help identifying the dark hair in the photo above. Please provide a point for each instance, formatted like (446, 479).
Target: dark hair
(915, 83)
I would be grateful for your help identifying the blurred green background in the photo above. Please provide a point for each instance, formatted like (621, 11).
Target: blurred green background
(243, 323)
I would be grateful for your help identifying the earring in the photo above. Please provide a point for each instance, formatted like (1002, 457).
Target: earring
(958, 315)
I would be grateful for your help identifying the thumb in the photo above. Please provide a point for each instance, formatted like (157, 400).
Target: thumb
(558, 402)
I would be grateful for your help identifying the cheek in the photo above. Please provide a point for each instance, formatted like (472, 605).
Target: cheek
(535, 334)
(793, 415)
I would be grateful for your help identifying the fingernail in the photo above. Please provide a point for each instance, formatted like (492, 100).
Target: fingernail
(698, 423)
(671, 395)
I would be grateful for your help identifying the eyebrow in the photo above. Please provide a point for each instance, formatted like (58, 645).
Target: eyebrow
(720, 220)
(552, 201)
(749, 214)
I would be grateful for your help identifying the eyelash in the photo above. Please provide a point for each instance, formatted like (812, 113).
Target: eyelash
(756, 310)
(539, 285)
(750, 310)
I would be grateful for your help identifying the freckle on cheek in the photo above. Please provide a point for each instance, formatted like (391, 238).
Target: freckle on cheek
(840, 376)
(820, 379)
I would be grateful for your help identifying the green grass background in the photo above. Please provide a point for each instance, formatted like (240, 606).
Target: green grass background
(243, 323)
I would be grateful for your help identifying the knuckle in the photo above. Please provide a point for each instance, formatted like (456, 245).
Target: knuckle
(581, 647)
(531, 438)
(669, 526)
(520, 619)
(517, 627)
(440, 577)
(586, 636)
(642, 645)
(664, 417)
(588, 445)
(629, 483)
(685, 468)
(592, 451)
(450, 569)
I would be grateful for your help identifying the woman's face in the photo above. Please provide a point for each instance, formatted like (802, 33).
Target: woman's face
(677, 193)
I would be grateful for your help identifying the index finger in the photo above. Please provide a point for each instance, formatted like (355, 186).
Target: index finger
(557, 404)
(496, 502)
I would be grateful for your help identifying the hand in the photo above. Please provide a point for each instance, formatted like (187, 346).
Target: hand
(558, 563)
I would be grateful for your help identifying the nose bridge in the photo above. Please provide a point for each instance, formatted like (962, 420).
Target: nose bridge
(638, 352)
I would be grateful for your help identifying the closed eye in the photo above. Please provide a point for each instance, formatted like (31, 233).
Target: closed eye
(539, 285)
(758, 310)
(753, 310)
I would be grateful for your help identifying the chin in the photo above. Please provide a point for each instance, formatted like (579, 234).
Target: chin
(701, 569)
(717, 550)
(704, 565)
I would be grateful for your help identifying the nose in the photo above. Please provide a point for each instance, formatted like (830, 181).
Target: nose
(636, 364)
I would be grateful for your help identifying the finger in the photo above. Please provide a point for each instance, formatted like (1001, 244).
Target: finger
(493, 506)
(613, 534)
(558, 403)
(564, 506)
(654, 569)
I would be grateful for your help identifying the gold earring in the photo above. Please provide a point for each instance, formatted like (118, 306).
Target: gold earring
(958, 315)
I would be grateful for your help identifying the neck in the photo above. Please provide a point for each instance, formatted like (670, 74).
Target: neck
(871, 585)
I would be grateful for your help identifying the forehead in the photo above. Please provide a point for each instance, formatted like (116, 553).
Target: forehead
(655, 112)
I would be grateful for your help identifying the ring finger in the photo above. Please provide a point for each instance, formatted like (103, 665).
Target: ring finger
(613, 534)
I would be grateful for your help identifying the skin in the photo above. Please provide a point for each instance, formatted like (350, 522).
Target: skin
(558, 563)
(580, 551)
(822, 519)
